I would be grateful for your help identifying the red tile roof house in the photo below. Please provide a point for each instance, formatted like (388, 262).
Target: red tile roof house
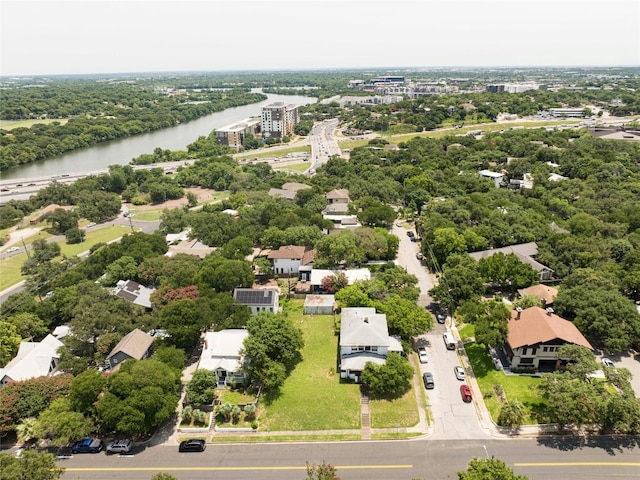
(534, 337)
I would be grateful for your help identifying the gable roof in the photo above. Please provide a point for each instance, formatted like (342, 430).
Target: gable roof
(293, 252)
(32, 360)
(308, 257)
(537, 325)
(524, 251)
(546, 293)
(134, 344)
(363, 326)
(252, 296)
(338, 193)
(222, 349)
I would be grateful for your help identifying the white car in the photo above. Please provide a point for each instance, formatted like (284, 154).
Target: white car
(422, 355)
(607, 362)
(13, 249)
(92, 224)
(459, 372)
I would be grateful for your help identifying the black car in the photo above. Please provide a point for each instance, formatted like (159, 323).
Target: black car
(410, 234)
(193, 445)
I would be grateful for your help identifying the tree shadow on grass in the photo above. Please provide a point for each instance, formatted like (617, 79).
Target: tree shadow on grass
(270, 396)
(480, 360)
(612, 444)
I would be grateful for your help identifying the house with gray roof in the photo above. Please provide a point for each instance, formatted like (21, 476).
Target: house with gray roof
(364, 337)
(134, 292)
(524, 252)
(134, 345)
(258, 300)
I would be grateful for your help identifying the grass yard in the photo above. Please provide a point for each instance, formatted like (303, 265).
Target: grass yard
(468, 331)
(270, 153)
(11, 124)
(298, 167)
(313, 398)
(10, 267)
(400, 412)
(522, 388)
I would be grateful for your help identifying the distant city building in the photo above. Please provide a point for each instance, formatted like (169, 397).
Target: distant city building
(279, 119)
(233, 135)
(566, 112)
(514, 87)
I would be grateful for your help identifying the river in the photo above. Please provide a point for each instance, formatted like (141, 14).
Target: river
(122, 151)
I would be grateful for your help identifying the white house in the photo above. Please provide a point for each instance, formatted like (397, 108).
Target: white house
(34, 359)
(498, 178)
(364, 337)
(288, 259)
(353, 275)
(258, 300)
(221, 354)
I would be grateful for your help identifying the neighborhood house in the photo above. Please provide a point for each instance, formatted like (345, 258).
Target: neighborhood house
(364, 338)
(136, 345)
(535, 336)
(288, 259)
(34, 359)
(524, 252)
(258, 300)
(221, 355)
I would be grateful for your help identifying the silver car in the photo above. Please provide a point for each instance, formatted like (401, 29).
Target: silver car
(459, 372)
(119, 446)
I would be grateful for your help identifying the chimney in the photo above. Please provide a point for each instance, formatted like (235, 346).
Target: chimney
(519, 310)
(549, 311)
(366, 319)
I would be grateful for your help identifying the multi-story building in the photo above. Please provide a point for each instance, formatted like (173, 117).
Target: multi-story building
(233, 135)
(279, 119)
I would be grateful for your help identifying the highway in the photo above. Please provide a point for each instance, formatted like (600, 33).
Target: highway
(540, 459)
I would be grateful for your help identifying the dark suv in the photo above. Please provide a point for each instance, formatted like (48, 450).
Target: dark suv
(193, 445)
(88, 445)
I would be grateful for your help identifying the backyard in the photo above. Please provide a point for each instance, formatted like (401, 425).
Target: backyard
(313, 397)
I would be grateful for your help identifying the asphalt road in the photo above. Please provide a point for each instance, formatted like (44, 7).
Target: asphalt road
(541, 459)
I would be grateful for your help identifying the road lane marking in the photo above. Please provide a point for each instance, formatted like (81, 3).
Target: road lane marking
(579, 464)
(229, 469)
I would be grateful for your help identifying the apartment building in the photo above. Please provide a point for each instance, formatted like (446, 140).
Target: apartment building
(279, 119)
(233, 135)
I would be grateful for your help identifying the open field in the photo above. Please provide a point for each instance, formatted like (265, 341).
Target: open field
(270, 153)
(313, 397)
(11, 124)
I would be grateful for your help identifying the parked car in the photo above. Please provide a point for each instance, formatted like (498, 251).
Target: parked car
(427, 378)
(410, 234)
(88, 445)
(459, 372)
(193, 445)
(419, 256)
(465, 392)
(13, 249)
(119, 446)
(607, 362)
(422, 355)
(440, 317)
(92, 224)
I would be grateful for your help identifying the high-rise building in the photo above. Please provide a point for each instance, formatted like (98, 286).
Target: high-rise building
(279, 119)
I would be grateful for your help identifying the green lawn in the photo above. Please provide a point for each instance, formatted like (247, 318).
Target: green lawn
(468, 331)
(10, 267)
(400, 412)
(299, 167)
(313, 398)
(270, 153)
(522, 388)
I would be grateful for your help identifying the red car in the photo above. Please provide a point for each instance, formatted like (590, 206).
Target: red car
(465, 392)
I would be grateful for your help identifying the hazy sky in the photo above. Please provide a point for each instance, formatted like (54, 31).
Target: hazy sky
(91, 36)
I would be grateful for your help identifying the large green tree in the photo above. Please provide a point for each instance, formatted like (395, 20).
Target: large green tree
(30, 465)
(389, 380)
(272, 348)
(489, 469)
